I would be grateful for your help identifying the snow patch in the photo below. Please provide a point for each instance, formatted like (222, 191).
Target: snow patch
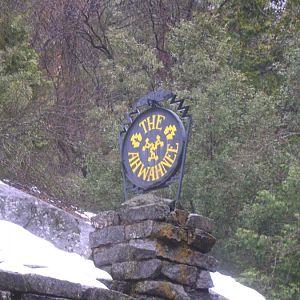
(229, 288)
(22, 252)
(85, 215)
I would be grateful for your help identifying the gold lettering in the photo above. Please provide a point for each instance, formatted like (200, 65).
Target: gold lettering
(171, 149)
(143, 172)
(152, 122)
(134, 156)
(151, 176)
(159, 170)
(134, 161)
(159, 119)
(143, 125)
(166, 161)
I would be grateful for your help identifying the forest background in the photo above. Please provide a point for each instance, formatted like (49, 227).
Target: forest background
(71, 68)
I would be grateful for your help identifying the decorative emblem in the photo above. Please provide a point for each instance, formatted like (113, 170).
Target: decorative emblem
(152, 147)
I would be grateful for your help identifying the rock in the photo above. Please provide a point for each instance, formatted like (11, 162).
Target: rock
(139, 230)
(145, 212)
(4, 295)
(179, 217)
(123, 287)
(35, 287)
(162, 289)
(37, 297)
(101, 294)
(184, 255)
(11, 282)
(146, 199)
(105, 219)
(146, 244)
(49, 286)
(111, 254)
(36, 284)
(136, 270)
(154, 229)
(215, 296)
(44, 220)
(169, 232)
(204, 280)
(201, 240)
(107, 235)
(122, 252)
(200, 222)
(178, 253)
(179, 273)
(106, 269)
(198, 295)
(143, 297)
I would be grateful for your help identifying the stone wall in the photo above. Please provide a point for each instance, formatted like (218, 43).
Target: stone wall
(154, 251)
(15, 286)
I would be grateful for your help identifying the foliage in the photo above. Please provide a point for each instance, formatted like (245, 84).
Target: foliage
(268, 239)
(19, 67)
(101, 186)
(20, 79)
(239, 149)
(231, 120)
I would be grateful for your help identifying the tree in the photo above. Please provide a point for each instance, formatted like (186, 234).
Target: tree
(239, 153)
(269, 235)
(269, 240)
(20, 79)
(256, 28)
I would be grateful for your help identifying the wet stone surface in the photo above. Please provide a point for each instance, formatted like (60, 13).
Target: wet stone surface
(136, 270)
(105, 219)
(201, 240)
(200, 222)
(162, 289)
(145, 212)
(107, 235)
(33, 287)
(179, 273)
(122, 252)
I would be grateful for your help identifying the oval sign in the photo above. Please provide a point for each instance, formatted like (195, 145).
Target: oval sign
(152, 147)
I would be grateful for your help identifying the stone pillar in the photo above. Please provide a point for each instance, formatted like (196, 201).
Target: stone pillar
(154, 251)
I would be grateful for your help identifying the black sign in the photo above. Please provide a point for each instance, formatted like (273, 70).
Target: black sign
(152, 147)
(153, 143)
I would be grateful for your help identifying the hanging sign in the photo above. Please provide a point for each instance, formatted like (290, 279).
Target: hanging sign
(152, 147)
(153, 143)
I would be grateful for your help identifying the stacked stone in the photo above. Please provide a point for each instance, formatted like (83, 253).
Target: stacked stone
(14, 286)
(154, 252)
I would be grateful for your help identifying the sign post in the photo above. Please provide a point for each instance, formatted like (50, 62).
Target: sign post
(153, 143)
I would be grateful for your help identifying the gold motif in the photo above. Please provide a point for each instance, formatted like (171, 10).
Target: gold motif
(152, 147)
(170, 132)
(136, 140)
